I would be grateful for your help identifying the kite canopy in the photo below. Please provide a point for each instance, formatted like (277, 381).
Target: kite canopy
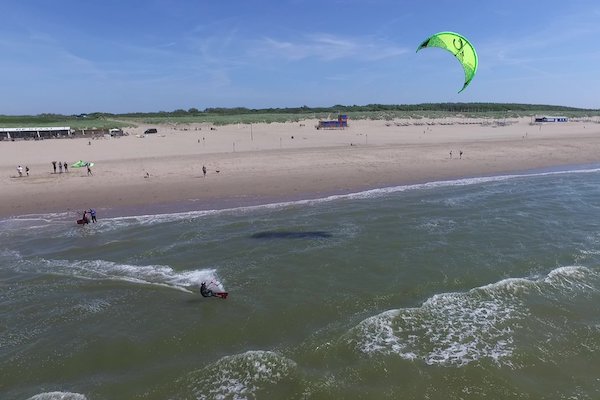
(460, 47)
(81, 163)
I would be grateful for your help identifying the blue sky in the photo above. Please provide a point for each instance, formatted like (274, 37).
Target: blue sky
(127, 56)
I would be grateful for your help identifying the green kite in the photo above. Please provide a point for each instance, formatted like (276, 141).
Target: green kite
(462, 49)
(81, 163)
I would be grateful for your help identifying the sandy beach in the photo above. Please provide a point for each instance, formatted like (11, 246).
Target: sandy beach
(262, 163)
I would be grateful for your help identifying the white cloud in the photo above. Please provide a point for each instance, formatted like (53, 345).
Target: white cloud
(327, 47)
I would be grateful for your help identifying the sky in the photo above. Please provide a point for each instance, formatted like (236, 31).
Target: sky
(118, 56)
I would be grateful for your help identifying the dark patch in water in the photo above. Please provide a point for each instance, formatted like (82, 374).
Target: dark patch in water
(291, 235)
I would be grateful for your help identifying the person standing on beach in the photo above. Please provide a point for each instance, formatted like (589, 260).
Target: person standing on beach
(89, 170)
(460, 155)
(66, 167)
(60, 167)
(27, 170)
(204, 170)
(54, 166)
(20, 170)
(450, 154)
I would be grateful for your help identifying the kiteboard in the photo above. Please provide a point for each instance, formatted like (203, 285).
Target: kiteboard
(222, 295)
(205, 292)
(82, 221)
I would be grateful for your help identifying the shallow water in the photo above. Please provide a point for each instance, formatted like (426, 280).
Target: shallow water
(483, 287)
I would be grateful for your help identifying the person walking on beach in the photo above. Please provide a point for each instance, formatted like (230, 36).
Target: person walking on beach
(66, 167)
(460, 155)
(54, 166)
(204, 170)
(89, 170)
(20, 170)
(450, 154)
(27, 170)
(60, 167)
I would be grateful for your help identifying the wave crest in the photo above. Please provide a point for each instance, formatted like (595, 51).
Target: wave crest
(240, 376)
(455, 329)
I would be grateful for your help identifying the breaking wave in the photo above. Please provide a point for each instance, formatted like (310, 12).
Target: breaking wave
(241, 376)
(58, 396)
(455, 329)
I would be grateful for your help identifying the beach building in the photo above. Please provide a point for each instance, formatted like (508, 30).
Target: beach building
(35, 133)
(340, 123)
(551, 119)
(116, 132)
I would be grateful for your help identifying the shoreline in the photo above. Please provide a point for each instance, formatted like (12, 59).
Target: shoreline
(190, 206)
(279, 163)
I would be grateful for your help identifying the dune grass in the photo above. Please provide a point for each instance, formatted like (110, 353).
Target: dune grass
(228, 117)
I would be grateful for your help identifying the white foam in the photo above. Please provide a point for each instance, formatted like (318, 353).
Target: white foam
(455, 329)
(438, 225)
(58, 396)
(240, 376)
(373, 193)
(571, 278)
(149, 219)
(94, 306)
(157, 275)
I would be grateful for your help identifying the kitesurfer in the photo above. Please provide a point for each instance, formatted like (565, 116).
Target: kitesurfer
(204, 291)
(93, 214)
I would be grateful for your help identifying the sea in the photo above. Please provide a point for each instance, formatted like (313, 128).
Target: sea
(477, 288)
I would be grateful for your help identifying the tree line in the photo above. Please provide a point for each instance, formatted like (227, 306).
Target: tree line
(224, 111)
(445, 107)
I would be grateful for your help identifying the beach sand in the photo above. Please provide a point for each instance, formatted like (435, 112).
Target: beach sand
(264, 163)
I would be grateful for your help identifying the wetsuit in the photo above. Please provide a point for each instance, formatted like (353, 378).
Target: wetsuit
(204, 291)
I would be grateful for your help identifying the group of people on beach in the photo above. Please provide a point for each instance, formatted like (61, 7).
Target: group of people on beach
(61, 165)
(460, 154)
(20, 170)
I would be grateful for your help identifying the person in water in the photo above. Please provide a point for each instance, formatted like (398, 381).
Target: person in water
(85, 218)
(93, 214)
(205, 291)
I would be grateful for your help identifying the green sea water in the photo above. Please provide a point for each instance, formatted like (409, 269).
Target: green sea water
(468, 289)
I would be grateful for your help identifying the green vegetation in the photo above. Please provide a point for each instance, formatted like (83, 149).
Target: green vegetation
(42, 120)
(225, 116)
